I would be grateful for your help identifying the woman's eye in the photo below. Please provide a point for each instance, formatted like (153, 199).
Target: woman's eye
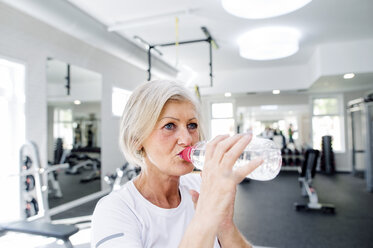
(169, 126)
(192, 125)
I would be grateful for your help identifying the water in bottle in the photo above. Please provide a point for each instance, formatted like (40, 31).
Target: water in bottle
(258, 148)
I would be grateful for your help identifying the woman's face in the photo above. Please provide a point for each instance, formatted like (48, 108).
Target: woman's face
(176, 128)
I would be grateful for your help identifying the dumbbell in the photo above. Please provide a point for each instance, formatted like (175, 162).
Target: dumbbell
(27, 163)
(29, 182)
(32, 208)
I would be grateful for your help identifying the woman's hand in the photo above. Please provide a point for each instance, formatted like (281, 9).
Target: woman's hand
(219, 181)
(215, 203)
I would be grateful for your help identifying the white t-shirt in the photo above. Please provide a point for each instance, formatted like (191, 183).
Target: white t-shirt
(125, 218)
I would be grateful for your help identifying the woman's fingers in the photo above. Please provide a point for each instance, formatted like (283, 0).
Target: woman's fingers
(241, 172)
(195, 196)
(210, 147)
(231, 149)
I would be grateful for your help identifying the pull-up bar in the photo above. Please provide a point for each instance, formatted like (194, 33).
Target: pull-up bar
(209, 39)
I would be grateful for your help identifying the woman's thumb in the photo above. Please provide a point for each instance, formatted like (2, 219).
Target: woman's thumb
(195, 196)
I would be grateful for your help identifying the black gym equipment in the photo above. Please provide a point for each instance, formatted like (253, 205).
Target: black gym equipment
(209, 39)
(327, 162)
(58, 160)
(29, 183)
(42, 228)
(84, 158)
(307, 172)
(127, 171)
(32, 208)
(27, 163)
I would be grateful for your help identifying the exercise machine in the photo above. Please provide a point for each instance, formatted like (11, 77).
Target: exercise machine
(59, 158)
(307, 172)
(127, 171)
(34, 204)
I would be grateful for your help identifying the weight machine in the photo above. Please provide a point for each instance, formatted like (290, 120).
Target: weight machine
(307, 172)
(34, 199)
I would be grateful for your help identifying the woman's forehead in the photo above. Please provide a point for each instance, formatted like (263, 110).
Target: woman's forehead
(178, 108)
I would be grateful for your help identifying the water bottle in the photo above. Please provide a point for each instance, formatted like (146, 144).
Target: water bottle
(258, 148)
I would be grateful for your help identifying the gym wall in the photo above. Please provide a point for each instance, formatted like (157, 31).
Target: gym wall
(29, 41)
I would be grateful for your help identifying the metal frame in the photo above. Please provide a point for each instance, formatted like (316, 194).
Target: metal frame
(367, 129)
(368, 145)
(209, 39)
(68, 80)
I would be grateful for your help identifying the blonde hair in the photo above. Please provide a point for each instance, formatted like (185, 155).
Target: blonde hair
(142, 112)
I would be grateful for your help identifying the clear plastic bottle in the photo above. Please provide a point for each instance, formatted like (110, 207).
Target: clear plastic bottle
(257, 148)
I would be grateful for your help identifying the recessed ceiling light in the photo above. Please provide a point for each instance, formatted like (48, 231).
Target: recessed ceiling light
(348, 75)
(228, 94)
(269, 43)
(268, 107)
(275, 92)
(258, 9)
(77, 102)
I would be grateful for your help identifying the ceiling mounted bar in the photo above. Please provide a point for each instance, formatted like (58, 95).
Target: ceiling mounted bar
(209, 39)
(68, 80)
(180, 43)
(146, 20)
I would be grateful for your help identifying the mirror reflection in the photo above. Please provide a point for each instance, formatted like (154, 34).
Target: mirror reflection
(74, 132)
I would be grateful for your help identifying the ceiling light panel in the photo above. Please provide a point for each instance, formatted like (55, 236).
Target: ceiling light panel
(269, 43)
(348, 75)
(259, 9)
(275, 92)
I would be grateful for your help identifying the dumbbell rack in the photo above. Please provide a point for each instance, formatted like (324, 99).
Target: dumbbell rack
(291, 159)
(33, 179)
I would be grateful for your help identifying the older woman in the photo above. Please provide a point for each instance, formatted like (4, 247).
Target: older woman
(167, 205)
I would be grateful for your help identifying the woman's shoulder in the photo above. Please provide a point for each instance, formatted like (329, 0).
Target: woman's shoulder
(115, 214)
(122, 199)
(191, 181)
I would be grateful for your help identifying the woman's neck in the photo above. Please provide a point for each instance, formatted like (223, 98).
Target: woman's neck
(161, 190)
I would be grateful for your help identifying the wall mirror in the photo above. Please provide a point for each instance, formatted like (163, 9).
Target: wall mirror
(74, 132)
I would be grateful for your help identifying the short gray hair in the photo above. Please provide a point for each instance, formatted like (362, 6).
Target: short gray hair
(142, 111)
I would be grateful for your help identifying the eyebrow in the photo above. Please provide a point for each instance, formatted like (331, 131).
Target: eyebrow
(176, 118)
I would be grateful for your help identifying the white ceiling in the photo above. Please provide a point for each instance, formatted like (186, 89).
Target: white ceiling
(320, 22)
(337, 38)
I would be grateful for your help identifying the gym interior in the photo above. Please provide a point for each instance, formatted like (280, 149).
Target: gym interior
(68, 67)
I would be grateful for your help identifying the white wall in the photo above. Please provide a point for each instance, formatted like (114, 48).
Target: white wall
(342, 160)
(30, 41)
(252, 100)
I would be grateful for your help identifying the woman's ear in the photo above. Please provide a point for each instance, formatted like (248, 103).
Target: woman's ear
(140, 150)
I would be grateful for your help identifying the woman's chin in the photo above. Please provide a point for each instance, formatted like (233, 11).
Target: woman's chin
(187, 166)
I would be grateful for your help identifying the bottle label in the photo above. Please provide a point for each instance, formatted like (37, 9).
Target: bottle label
(186, 154)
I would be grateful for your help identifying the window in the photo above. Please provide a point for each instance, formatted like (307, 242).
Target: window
(63, 126)
(327, 119)
(12, 133)
(119, 100)
(222, 121)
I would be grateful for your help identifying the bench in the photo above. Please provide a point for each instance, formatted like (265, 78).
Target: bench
(42, 228)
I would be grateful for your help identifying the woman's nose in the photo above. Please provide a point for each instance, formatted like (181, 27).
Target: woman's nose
(185, 138)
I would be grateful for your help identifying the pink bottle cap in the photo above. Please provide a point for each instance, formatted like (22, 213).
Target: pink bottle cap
(186, 153)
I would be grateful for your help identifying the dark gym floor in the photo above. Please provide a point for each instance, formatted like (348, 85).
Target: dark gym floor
(73, 189)
(265, 214)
